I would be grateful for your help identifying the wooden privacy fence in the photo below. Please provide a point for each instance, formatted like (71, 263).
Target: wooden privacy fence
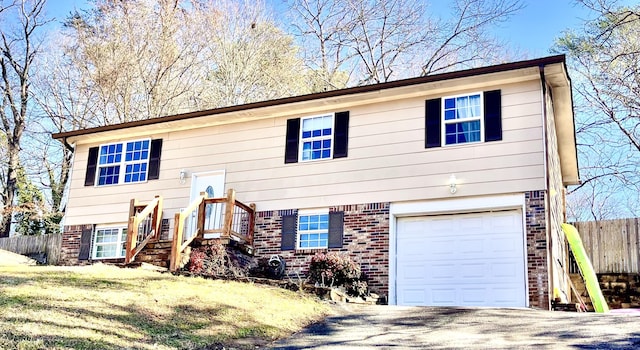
(48, 244)
(612, 245)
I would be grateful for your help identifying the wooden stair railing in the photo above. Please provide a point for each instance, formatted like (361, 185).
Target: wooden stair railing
(144, 225)
(224, 218)
(185, 220)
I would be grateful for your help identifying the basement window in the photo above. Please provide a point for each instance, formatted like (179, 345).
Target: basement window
(109, 243)
(313, 230)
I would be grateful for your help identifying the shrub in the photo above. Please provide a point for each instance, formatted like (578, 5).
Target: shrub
(213, 260)
(337, 269)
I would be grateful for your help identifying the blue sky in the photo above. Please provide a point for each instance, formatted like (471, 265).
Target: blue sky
(532, 31)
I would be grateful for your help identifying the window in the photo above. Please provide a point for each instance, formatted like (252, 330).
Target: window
(316, 137)
(109, 243)
(462, 119)
(313, 231)
(125, 162)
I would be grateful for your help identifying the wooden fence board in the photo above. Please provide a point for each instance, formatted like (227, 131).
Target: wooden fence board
(612, 245)
(48, 244)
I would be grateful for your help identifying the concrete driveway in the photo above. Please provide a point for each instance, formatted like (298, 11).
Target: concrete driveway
(395, 327)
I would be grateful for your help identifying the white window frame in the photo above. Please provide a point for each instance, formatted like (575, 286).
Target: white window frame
(320, 138)
(123, 163)
(445, 122)
(122, 239)
(300, 232)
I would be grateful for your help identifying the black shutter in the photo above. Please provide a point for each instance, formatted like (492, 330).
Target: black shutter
(341, 135)
(289, 230)
(92, 164)
(492, 116)
(293, 136)
(336, 228)
(432, 135)
(85, 243)
(154, 159)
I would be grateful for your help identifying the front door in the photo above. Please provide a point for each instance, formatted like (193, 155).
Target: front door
(211, 183)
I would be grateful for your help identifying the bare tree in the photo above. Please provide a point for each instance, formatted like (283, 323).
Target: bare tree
(374, 41)
(322, 28)
(247, 57)
(136, 57)
(604, 56)
(66, 101)
(19, 47)
(147, 58)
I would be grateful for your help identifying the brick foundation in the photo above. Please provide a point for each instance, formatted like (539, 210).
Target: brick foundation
(365, 238)
(70, 247)
(537, 269)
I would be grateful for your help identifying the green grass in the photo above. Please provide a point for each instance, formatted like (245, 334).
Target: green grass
(106, 307)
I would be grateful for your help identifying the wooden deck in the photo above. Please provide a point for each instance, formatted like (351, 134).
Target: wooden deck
(226, 219)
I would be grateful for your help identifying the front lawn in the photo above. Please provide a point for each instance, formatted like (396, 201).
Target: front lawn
(106, 307)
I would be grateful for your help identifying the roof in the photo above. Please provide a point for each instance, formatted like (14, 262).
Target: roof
(552, 68)
(321, 95)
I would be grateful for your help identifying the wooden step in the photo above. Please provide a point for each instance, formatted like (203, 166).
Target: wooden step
(159, 245)
(156, 253)
(581, 289)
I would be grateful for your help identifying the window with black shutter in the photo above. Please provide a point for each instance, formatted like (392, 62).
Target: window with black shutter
(123, 162)
(461, 119)
(317, 137)
(312, 230)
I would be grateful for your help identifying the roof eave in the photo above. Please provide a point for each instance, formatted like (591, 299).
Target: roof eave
(319, 96)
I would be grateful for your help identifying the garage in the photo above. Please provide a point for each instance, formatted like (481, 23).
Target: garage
(474, 259)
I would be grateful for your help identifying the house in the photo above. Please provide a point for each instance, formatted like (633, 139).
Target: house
(447, 189)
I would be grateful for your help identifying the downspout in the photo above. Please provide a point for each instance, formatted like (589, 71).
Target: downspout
(547, 199)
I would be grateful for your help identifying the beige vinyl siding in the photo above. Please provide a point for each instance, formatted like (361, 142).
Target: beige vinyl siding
(386, 162)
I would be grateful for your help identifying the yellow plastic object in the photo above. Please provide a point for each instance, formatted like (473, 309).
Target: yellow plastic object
(589, 275)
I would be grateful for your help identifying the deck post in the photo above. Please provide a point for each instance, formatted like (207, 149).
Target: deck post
(201, 214)
(176, 243)
(157, 218)
(252, 222)
(132, 235)
(228, 213)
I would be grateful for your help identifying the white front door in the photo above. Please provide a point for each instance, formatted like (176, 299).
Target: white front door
(211, 183)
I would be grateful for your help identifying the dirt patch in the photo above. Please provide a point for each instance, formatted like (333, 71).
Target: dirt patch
(8, 258)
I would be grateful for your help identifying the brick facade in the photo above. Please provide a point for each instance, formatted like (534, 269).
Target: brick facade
(365, 238)
(70, 247)
(537, 269)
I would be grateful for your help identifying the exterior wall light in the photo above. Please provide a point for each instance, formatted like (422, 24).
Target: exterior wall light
(453, 184)
(183, 176)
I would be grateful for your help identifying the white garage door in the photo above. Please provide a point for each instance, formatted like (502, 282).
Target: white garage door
(461, 260)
